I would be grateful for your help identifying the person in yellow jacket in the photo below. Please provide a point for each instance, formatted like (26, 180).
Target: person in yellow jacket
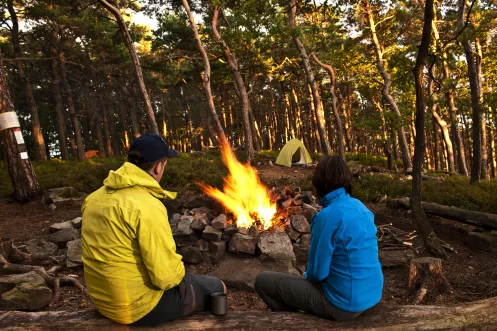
(131, 267)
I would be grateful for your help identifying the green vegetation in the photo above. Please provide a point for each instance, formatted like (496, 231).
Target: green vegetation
(182, 172)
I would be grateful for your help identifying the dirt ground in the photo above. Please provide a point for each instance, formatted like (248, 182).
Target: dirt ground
(472, 273)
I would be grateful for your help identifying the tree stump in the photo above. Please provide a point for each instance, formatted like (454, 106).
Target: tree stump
(425, 275)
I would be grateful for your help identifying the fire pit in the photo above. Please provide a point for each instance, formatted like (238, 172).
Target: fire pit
(273, 224)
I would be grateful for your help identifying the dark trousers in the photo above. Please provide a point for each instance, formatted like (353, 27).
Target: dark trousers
(282, 292)
(193, 294)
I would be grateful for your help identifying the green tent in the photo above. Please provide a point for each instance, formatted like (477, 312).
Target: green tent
(294, 152)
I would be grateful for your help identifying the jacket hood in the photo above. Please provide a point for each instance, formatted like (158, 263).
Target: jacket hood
(129, 175)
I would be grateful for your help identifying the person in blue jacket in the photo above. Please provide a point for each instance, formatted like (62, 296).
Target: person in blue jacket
(343, 276)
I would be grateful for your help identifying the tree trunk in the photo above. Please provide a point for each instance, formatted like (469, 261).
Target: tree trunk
(334, 107)
(98, 127)
(484, 220)
(239, 85)
(476, 163)
(40, 153)
(491, 136)
(206, 77)
(59, 108)
(430, 239)
(72, 111)
(483, 137)
(387, 82)
(136, 64)
(425, 275)
(20, 169)
(316, 97)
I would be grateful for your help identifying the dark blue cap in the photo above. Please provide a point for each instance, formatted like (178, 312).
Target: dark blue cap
(152, 148)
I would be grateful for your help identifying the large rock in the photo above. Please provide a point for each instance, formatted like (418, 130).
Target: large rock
(300, 223)
(64, 194)
(203, 245)
(242, 243)
(63, 236)
(276, 248)
(185, 239)
(220, 222)
(231, 229)
(41, 248)
(482, 241)
(217, 246)
(191, 254)
(212, 234)
(184, 226)
(60, 226)
(74, 253)
(301, 253)
(24, 292)
(215, 253)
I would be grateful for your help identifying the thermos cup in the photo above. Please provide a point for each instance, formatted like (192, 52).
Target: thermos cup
(219, 303)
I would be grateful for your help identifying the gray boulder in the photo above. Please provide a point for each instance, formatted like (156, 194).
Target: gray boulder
(41, 248)
(300, 223)
(191, 254)
(74, 253)
(215, 253)
(212, 234)
(63, 236)
(220, 222)
(276, 248)
(24, 292)
(242, 243)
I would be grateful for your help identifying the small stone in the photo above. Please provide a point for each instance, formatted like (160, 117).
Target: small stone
(231, 229)
(243, 231)
(300, 223)
(26, 291)
(301, 253)
(63, 236)
(212, 234)
(219, 222)
(185, 239)
(41, 248)
(199, 224)
(305, 240)
(60, 226)
(308, 211)
(253, 231)
(77, 222)
(184, 225)
(203, 245)
(74, 253)
(294, 210)
(241, 243)
(191, 254)
(293, 234)
(217, 246)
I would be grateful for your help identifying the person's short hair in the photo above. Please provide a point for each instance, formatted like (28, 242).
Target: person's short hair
(331, 173)
(136, 158)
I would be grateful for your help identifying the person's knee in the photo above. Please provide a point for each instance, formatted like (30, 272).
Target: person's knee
(261, 280)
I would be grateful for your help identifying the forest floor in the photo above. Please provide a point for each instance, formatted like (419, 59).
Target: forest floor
(471, 272)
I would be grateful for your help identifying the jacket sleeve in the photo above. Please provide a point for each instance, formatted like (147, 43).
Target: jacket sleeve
(321, 250)
(158, 249)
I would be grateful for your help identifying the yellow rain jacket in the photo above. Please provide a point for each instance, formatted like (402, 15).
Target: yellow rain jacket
(129, 254)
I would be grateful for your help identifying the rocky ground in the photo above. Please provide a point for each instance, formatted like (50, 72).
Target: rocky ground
(470, 271)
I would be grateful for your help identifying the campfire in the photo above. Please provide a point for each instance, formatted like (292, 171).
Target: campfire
(243, 193)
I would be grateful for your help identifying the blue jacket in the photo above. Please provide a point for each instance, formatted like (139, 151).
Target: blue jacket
(344, 253)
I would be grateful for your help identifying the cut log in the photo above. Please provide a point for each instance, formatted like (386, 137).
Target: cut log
(484, 220)
(425, 275)
(480, 315)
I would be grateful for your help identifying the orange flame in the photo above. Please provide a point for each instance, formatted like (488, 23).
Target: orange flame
(243, 193)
